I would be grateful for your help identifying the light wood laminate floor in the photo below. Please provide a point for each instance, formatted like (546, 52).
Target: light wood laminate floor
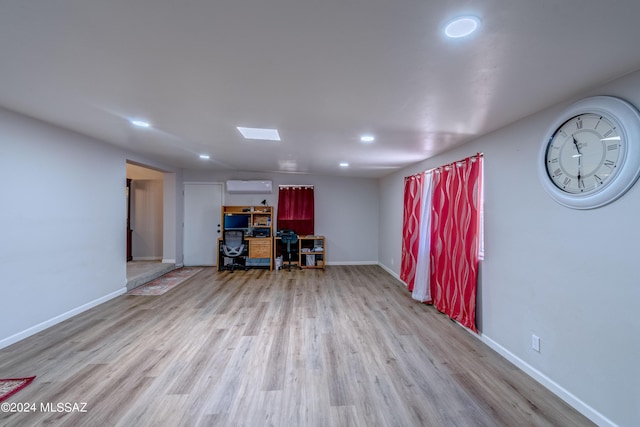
(341, 347)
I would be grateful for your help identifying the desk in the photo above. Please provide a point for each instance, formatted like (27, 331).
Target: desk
(314, 246)
(258, 253)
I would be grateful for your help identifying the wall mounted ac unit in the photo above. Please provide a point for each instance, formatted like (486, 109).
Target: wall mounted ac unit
(249, 187)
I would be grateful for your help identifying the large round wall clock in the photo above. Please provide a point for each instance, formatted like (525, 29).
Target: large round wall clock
(591, 154)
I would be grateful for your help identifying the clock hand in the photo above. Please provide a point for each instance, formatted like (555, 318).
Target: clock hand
(580, 183)
(575, 142)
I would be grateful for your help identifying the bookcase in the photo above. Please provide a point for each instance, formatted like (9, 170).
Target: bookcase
(257, 224)
(311, 250)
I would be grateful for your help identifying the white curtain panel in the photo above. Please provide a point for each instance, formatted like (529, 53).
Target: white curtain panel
(421, 289)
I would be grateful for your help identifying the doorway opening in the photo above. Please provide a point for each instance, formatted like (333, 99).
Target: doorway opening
(145, 225)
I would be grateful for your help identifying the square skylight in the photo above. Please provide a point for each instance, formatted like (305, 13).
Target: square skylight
(260, 133)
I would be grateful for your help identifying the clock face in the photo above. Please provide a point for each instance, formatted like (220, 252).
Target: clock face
(590, 155)
(584, 153)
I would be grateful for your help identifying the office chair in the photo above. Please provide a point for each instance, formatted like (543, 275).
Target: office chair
(290, 238)
(233, 247)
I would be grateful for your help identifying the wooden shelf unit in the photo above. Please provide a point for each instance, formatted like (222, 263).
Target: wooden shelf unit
(312, 251)
(314, 246)
(259, 217)
(260, 240)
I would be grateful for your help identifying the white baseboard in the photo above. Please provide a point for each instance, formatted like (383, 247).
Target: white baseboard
(147, 258)
(55, 320)
(391, 272)
(168, 261)
(547, 382)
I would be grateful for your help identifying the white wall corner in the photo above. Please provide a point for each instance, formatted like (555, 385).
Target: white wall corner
(391, 272)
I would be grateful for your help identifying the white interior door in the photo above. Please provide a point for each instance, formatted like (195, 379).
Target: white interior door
(202, 215)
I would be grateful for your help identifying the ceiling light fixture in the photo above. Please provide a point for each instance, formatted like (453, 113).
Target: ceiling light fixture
(344, 165)
(140, 123)
(367, 138)
(259, 133)
(288, 165)
(461, 27)
(205, 156)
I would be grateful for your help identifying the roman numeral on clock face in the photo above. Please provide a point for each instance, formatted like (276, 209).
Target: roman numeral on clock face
(598, 124)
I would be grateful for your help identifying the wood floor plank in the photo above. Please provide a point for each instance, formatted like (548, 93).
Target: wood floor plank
(344, 346)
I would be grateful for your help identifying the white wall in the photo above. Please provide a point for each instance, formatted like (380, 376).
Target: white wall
(146, 219)
(571, 277)
(172, 215)
(346, 209)
(63, 216)
(63, 210)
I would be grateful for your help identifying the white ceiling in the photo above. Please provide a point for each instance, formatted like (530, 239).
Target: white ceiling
(321, 72)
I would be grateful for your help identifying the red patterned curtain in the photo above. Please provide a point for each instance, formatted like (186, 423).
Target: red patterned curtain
(410, 228)
(296, 209)
(455, 238)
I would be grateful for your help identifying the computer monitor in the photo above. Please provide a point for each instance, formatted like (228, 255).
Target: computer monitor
(236, 222)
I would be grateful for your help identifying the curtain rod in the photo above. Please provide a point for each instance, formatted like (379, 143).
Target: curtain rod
(458, 162)
(438, 168)
(295, 186)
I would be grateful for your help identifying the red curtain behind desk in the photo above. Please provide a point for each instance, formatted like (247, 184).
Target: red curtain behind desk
(455, 238)
(296, 209)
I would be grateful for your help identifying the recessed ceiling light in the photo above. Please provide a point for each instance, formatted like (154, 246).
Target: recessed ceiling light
(367, 138)
(140, 123)
(461, 27)
(260, 133)
(205, 156)
(344, 165)
(288, 165)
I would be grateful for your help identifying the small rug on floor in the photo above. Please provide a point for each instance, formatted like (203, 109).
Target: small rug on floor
(10, 386)
(165, 283)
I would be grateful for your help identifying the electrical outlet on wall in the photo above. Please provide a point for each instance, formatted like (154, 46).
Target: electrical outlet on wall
(535, 342)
